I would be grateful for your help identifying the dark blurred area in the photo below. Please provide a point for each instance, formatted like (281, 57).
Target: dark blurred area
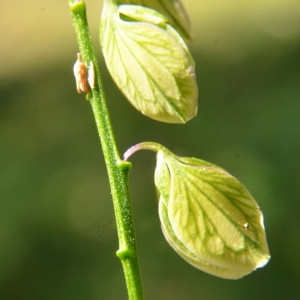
(57, 232)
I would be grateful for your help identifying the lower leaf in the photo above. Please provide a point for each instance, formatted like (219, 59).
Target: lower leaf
(209, 217)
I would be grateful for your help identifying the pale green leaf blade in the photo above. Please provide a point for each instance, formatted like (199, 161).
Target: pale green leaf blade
(209, 217)
(172, 9)
(149, 62)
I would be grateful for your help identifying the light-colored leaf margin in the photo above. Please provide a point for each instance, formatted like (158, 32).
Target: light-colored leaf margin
(173, 10)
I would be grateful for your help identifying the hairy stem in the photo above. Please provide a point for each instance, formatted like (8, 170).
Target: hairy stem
(116, 168)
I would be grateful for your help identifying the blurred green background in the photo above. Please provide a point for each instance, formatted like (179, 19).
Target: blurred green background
(57, 231)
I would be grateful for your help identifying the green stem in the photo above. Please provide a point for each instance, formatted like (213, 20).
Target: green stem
(116, 168)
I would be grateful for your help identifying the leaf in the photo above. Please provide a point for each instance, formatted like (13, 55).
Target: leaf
(172, 9)
(209, 217)
(149, 62)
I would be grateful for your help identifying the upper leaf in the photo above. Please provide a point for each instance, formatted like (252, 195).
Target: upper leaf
(149, 62)
(209, 217)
